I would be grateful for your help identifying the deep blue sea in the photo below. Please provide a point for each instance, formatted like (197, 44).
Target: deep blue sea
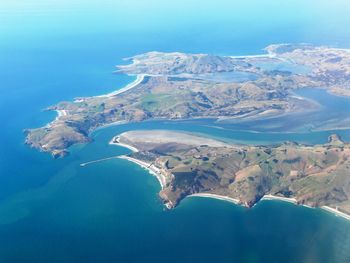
(56, 211)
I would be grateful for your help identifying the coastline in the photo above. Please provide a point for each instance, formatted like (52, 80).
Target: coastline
(108, 125)
(150, 167)
(60, 113)
(116, 141)
(218, 197)
(137, 81)
(238, 202)
(280, 198)
(162, 180)
(335, 212)
(294, 201)
(161, 175)
(269, 197)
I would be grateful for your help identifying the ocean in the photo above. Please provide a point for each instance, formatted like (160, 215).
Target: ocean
(56, 211)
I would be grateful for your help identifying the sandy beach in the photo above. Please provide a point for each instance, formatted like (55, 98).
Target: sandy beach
(150, 167)
(271, 197)
(236, 201)
(61, 113)
(215, 196)
(138, 80)
(281, 198)
(116, 141)
(294, 201)
(336, 212)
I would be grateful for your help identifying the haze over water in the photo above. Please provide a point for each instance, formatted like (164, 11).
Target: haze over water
(56, 211)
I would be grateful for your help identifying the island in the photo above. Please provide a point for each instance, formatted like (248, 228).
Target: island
(192, 165)
(187, 86)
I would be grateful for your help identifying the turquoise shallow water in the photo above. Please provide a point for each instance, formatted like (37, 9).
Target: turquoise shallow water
(56, 211)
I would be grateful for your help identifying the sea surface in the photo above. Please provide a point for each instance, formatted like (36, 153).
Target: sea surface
(56, 211)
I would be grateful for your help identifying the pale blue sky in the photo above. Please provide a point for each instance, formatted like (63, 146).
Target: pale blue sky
(312, 19)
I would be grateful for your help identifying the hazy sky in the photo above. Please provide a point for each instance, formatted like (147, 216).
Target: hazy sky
(35, 19)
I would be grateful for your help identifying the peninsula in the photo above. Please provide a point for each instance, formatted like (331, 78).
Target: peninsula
(187, 86)
(188, 165)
